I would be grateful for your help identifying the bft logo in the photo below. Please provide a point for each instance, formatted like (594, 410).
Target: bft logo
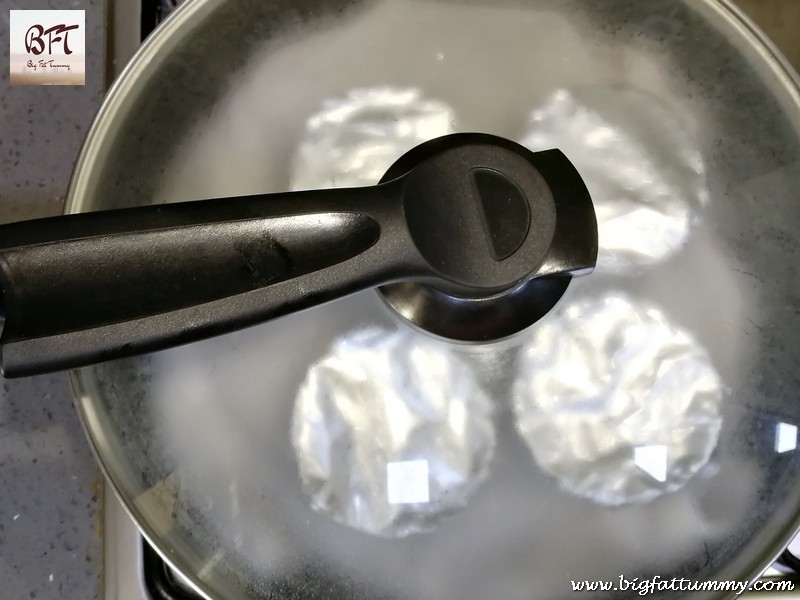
(34, 38)
(48, 47)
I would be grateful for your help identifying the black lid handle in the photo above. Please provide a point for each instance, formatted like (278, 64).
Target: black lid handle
(475, 216)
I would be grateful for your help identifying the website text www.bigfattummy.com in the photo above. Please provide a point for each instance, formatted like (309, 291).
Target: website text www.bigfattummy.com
(657, 584)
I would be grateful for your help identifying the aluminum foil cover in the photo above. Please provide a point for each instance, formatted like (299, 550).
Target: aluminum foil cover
(615, 402)
(353, 140)
(641, 163)
(391, 431)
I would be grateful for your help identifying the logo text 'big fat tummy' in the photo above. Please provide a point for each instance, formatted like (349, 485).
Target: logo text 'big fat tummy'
(48, 47)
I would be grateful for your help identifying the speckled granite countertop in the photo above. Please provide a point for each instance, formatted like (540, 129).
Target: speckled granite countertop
(50, 544)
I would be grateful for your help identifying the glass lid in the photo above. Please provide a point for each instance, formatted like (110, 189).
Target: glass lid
(645, 428)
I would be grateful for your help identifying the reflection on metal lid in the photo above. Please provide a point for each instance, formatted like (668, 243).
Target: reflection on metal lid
(407, 482)
(391, 431)
(652, 460)
(615, 402)
(785, 437)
